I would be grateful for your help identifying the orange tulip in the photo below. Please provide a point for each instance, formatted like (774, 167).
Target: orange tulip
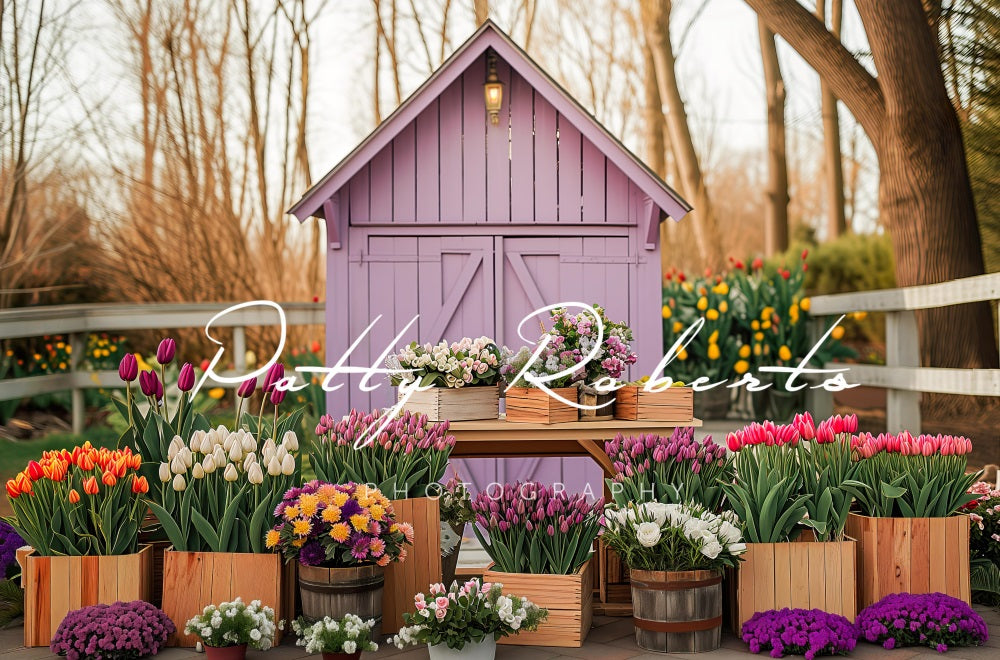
(108, 478)
(136, 461)
(12, 490)
(139, 485)
(90, 486)
(23, 483)
(74, 496)
(85, 462)
(58, 471)
(35, 471)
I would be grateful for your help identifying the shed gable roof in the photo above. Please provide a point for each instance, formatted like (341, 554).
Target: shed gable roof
(490, 36)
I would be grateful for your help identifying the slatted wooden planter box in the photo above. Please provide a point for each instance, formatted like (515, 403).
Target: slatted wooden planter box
(568, 598)
(192, 580)
(914, 555)
(423, 562)
(531, 404)
(54, 586)
(798, 574)
(455, 404)
(674, 404)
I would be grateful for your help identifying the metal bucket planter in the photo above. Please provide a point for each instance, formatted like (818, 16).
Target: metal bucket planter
(334, 592)
(677, 612)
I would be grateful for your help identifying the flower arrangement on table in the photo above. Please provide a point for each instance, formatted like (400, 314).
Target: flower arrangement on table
(217, 492)
(674, 469)
(467, 362)
(533, 528)
(910, 476)
(934, 620)
(799, 632)
(82, 502)
(984, 542)
(122, 631)
(349, 635)
(404, 460)
(654, 536)
(338, 525)
(463, 615)
(234, 624)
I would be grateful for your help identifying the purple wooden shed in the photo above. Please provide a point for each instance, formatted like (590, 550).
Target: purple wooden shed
(474, 225)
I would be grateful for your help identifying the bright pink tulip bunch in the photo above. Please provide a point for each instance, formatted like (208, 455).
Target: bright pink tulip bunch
(867, 445)
(826, 431)
(768, 433)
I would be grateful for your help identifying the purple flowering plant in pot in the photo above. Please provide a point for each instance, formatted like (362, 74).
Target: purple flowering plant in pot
(672, 470)
(119, 631)
(799, 632)
(935, 620)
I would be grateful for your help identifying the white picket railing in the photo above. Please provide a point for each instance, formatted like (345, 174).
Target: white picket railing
(77, 321)
(902, 375)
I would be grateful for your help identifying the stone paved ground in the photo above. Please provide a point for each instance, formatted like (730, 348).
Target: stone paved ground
(610, 639)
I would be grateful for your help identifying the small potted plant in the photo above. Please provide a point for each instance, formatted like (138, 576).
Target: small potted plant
(342, 536)
(336, 639)
(541, 541)
(799, 632)
(120, 630)
(463, 377)
(456, 511)
(676, 554)
(465, 621)
(227, 629)
(935, 620)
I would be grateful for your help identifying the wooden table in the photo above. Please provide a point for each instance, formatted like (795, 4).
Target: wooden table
(498, 438)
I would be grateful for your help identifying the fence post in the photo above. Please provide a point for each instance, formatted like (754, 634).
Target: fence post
(902, 349)
(77, 402)
(819, 402)
(239, 356)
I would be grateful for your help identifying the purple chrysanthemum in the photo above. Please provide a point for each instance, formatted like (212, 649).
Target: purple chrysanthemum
(934, 620)
(799, 632)
(120, 631)
(312, 554)
(10, 541)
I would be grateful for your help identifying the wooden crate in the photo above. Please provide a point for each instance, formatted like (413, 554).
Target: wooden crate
(531, 404)
(674, 404)
(455, 404)
(798, 574)
(568, 598)
(422, 567)
(914, 555)
(54, 586)
(192, 580)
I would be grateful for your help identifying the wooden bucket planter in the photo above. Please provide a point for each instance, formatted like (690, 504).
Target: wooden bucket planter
(796, 574)
(335, 592)
(192, 580)
(530, 404)
(455, 404)
(568, 598)
(422, 567)
(674, 404)
(677, 611)
(54, 586)
(914, 555)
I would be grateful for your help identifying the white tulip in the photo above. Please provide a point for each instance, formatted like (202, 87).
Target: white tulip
(236, 453)
(281, 452)
(290, 440)
(255, 475)
(274, 466)
(208, 465)
(185, 455)
(198, 472)
(227, 444)
(711, 549)
(164, 472)
(222, 430)
(174, 447)
(269, 444)
(177, 466)
(648, 534)
(249, 444)
(230, 474)
(249, 460)
(287, 465)
(266, 455)
(737, 548)
(179, 483)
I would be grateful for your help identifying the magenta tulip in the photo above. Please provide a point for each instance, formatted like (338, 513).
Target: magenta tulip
(150, 385)
(128, 368)
(247, 388)
(165, 351)
(185, 379)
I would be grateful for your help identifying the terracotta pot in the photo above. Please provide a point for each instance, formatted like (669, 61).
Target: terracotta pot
(484, 650)
(226, 652)
(341, 656)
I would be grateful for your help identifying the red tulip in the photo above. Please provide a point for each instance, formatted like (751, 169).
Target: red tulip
(139, 485)
(35, 471)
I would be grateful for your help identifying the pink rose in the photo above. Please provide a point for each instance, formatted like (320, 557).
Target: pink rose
(441, 602)
(440, 614)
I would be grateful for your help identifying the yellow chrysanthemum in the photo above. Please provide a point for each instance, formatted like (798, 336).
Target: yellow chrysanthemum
(331, 514)
(805, 303)
(308, 503)
(377, 511)
(713, 352)
(741, 366)
(838, 332)
(272, 538)
(298, 543)
(666, 312)
(712, 315)
(723, 306)
(359, 522)
(744, 351)
(340, 532)
(291, 512)
(339, 498)
(393, 528)
(702, 304)
(678, 326)
(326, 492)
(301, 527)
(784, 353)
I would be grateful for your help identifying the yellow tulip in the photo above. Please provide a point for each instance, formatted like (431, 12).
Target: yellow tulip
(805, 303)
(723, 306)
(860, 316)
(666, 312)
(712, 315)
(755, 325)
(713, 352)
(766, 313)
(687, 286)
(744, 351)
(759, 336)
(714, 337)
(682, 354)
(784, 353)
(766, 325)
(756, 349)
(741, 366)
(721, 288)
(838, 332)
(702, 303)
(678, 326)
(216, 393)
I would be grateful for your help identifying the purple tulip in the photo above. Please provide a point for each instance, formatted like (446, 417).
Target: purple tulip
(185, 379)
(274, 374)
(128, 368)
(165, 351)
(277, 396)
(247, 388)
(149, 383)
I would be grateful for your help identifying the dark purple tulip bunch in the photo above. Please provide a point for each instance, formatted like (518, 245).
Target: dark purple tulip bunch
(799, 632)
(676, 469)
(521, 514)
(403, 459)
(935, 620)
(121, 630)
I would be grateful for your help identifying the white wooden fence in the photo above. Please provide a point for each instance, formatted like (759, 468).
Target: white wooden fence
(902, 375)
(77, 321)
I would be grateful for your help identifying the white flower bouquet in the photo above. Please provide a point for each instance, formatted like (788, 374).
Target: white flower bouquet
(673, 537)
(235, 624)
(349, 635)
(465, 362)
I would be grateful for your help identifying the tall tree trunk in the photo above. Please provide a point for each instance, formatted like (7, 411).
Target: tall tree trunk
(776, 195)
(482, 11)
(836, 219)
(656, 26)
(925, 197)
